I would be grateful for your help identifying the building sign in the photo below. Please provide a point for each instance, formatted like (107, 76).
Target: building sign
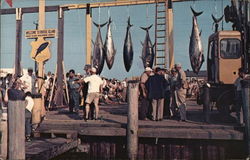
(46, 33)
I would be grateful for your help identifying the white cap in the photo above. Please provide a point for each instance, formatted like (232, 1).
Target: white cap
(148, 69)
(177, 65)
(93, 69)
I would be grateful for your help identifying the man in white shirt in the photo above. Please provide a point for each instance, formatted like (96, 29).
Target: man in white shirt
(94, 89)
(28, 82)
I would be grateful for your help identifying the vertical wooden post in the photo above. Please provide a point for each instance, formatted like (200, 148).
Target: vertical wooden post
(246, 113)
(59, 92)
(16, 121)
(41, 20)
(170, 39)
(132, 123)
(4, 139)
(18, 42)
(206, 104)
(88, 34)
(40, 81)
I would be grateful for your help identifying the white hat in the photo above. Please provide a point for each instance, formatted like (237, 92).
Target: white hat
(177, 65)
(148, 69)
(93, 69)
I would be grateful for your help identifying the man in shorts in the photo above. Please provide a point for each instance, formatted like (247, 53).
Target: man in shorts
(94, 90)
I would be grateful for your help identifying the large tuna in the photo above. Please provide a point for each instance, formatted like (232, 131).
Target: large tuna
(99, 51)
(128, 48)
(147, 50)
(109, 46)
(195, 46)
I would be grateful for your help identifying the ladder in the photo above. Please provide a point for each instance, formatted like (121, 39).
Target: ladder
(161, 45)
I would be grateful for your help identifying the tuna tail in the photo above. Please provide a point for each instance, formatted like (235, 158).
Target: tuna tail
(129, 25)
(99, 25)
(196, 14)
(217, 20)
(110, 20)
(146, 28)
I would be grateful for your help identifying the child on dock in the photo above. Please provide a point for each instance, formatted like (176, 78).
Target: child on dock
(28, 115)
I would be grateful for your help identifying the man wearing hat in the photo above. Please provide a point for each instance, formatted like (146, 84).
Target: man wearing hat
(94, 90)
(181, 90)
(156, 85)
(145, 103)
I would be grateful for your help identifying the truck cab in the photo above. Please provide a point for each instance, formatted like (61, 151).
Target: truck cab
(224, 57)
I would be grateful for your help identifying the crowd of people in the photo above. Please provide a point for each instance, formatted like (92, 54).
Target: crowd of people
(163, 94)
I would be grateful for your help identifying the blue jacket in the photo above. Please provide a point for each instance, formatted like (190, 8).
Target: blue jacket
(156, 86)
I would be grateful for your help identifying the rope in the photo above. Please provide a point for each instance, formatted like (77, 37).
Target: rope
(108, 12)
(215, 8)
(99, 18)
(222, 27)
(147, 14)
(128, 11)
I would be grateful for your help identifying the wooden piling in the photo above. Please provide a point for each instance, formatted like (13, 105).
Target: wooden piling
(16, 121)
(4, 139)
(246, 113)
(132, 122)
(37, 109)
(59, 84)
(17, 69)
(206, 103)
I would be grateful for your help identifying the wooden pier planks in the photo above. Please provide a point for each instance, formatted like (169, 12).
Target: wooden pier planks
(45, 149)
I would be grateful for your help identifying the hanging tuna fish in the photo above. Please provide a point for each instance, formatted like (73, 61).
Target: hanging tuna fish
(128, 48)
(109, 46)
(147, 50)
(195, 47)
(99, 51)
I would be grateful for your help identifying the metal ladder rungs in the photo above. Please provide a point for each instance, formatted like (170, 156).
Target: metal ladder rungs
(160, 50)
(160, 64)
(160, 30)
(160, 57)
(160, 36)
(160, 33)
(161, 17)
(160, 4)
(161, 11)
(160, 24)
(160, 43)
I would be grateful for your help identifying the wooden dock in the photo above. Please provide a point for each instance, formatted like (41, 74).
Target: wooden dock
(114, 120)
(62, 131)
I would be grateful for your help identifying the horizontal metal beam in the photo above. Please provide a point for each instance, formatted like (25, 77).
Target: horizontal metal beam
(116, 3)
(83, 6)
(29, 10)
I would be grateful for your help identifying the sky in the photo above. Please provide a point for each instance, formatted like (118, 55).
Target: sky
(74, 33)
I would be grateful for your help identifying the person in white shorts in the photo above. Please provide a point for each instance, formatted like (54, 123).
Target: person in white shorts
(94, 90)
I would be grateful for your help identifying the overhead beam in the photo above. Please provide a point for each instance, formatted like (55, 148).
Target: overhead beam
(115, 3)
(84, 6)
(28, 10)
